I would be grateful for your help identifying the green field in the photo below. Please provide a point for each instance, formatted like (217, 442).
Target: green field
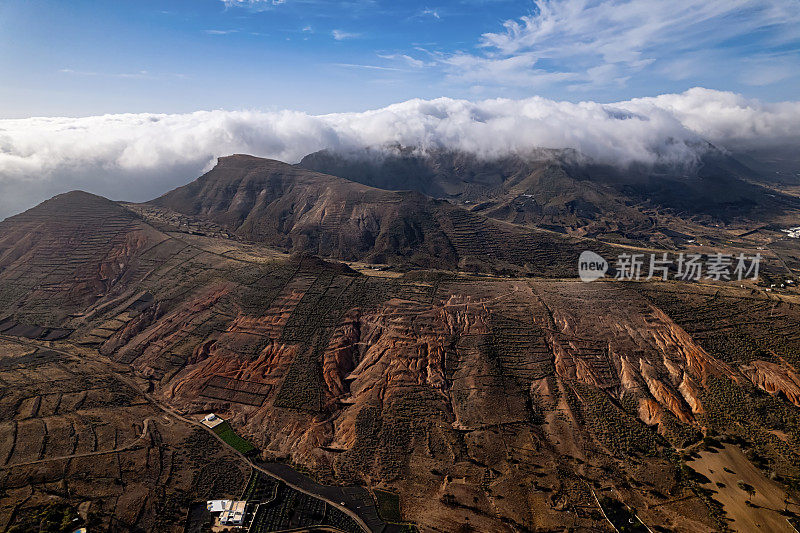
(388, 505)
(226, 433)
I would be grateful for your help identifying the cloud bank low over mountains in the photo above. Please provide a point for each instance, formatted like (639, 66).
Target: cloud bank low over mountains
(139, 156)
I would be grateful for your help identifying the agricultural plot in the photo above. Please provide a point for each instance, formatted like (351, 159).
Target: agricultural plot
(321, 306)
(85, 439)
(616, 429)
(269, 300)
(482, 244)
(290, 509)
(335, 518)
(388, 504)
(521, 347)
(260, 488)
(236, 390)
(262, 286)
(310, 325)
(302, 387)
(481, 394)
(471, 236)
(415, 291)
(622, 518)
(51, 419)
(226, 433)
(788, 251)
(9, 326)
(36, 358)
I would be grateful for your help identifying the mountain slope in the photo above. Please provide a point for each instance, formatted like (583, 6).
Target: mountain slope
(63, 255)
(561, 190)
(507, 403)
(299, 210)
(275, 203)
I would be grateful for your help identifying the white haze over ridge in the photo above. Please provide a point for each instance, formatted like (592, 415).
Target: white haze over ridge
(140, 156)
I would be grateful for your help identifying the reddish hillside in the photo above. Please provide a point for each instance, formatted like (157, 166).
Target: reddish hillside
(65, 254)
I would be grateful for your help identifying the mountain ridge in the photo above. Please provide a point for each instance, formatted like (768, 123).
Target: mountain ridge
(562, 190)
(300, 210)
(475, 384)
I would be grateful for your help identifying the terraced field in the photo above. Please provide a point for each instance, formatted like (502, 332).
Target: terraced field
(489, 397)
(236, 390)
(72, 430)
(738, 325)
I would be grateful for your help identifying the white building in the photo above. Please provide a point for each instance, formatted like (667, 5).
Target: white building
(794, 233)
(231, 512)
(211, 421)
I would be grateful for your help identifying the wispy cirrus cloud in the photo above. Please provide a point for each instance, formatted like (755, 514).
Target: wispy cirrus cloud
(407, 59)
(584, 44)
(259, 5)
(142, 74)
(252, 3)
(341, 35)
(367, 67)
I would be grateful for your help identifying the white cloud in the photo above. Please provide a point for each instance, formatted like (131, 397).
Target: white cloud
(367, 67)
(728, 119)
(128, 75)
(139, 156)
(341, 35)
(142, 74)
(512, 70)
(574, 40)
(242, 3)
(410, 61)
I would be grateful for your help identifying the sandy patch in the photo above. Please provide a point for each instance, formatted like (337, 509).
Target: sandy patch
(729, 466)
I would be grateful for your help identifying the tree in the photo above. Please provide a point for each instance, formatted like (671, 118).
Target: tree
(748, 488)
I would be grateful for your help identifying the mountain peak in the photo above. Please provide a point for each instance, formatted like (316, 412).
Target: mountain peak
(246, 160)
(74, 205)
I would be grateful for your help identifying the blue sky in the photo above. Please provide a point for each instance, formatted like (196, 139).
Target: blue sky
(81, 57)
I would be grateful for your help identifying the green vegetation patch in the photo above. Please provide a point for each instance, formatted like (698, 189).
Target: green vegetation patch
(302, 388)
(226, 433)
(351, 464)
(388, 504)
(734, 346)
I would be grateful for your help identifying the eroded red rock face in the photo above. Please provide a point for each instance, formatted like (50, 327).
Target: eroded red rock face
(439, 376)
(500, 402)
(614, 339)
(775, 379)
